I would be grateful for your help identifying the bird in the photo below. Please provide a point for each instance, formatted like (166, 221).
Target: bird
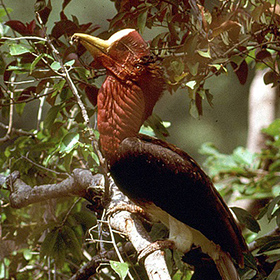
(162, 179)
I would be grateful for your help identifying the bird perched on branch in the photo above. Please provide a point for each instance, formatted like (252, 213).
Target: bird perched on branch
(165, 181)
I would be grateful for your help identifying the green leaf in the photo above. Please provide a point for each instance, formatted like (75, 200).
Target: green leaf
(85, 218)
(27, 254)
(73, 244)
(70, 62)
(120, 268)
(269, 243)
(243, 156)
(48, 243)
(59, 250)
(69, 142)
(51, 116)
(2, 32)
(204, 54)
(246, 218)
(272, 206)
(18, 49)
(35, 61)
(20, 107)
(193, 68)
(191, 84)
(3, 12)
(55, 66)
(273, 129)
(274, 275)
(68, 162)
(141, 21)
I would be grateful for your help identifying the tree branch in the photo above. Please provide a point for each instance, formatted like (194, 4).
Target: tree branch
(82, 183)
(76, 185)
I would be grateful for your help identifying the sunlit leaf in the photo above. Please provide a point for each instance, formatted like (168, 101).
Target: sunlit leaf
(120, 268)
(273, 129)
(191, 84)
(243, 156)
(204, 54)
(70, 62)
(55, 66)
(69, 142)
(18, 49)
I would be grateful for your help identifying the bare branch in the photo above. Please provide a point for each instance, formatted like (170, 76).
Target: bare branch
(10, 126)
(24, 38)
(76, 185)
(16, 131)
(42, 101)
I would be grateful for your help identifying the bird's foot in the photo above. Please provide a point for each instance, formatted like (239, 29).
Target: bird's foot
(133, 209)
(157, 245)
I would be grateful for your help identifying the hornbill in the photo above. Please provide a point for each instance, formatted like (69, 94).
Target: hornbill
(159, 177)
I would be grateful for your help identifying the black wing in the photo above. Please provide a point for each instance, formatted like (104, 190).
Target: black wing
(151, 170)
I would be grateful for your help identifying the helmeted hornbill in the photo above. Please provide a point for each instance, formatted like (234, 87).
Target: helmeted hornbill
(165, 181)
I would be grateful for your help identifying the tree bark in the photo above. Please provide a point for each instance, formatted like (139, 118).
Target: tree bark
(262, 107)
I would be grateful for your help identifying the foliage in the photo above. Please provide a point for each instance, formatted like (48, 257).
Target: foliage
(244, 172)
(194, 42)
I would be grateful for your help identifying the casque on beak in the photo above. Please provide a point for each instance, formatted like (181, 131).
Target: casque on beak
(93, 44)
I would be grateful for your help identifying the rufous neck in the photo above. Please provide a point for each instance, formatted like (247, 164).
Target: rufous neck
(121, 112)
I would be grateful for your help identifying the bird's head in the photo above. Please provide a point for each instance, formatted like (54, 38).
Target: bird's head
(127, 56)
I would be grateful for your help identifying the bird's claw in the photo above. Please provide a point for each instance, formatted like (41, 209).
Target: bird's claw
(134, 209)
(157, 245)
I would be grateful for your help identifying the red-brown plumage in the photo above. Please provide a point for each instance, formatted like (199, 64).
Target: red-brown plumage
(158, 176)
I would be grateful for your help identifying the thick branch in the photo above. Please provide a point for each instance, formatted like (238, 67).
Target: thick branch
(128, 224)
(76, 185)
(262, 106)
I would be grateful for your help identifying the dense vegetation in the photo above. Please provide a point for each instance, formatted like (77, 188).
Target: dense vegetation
(52, 235)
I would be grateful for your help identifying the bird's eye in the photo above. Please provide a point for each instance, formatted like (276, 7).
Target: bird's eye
(138, 66)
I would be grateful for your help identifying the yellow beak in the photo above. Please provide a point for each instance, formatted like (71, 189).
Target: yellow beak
(93, 44)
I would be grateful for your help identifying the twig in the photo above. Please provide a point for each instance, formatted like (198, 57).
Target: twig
(16, 131)
(69, 211)
(91, 267)
(24, 38)
(42, 101)
(117, 249)
(10, 126)
(42, 167)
